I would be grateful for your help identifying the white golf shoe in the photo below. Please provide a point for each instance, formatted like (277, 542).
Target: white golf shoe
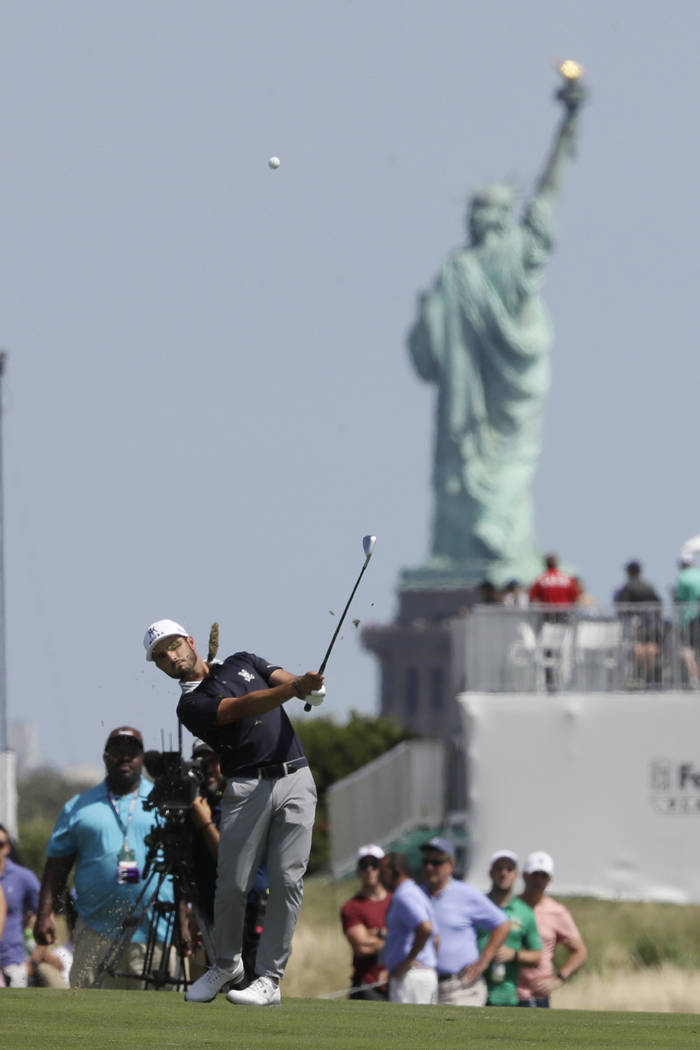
(262, 992)
(206, 987)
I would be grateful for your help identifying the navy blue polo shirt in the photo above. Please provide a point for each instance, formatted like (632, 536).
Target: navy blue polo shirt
(249, 742)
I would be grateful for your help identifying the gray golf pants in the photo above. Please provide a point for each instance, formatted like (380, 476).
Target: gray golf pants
(268, 820)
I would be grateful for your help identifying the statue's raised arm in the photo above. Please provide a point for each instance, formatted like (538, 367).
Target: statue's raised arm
(482, 337)
(572, 95)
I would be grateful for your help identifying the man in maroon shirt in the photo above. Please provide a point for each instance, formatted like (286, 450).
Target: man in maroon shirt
(364, 924)
(554, 587)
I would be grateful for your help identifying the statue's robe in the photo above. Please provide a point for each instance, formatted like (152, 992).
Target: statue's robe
(483, 337)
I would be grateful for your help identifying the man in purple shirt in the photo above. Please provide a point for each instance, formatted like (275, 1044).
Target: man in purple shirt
(21, 889)
(460, 912)
(409, 950)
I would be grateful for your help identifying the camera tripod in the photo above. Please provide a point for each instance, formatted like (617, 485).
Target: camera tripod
(169, 855)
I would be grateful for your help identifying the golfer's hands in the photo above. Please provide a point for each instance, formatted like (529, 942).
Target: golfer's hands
(316, 698)
(308, 683)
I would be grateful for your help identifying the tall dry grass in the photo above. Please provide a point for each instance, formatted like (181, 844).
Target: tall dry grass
(643, 956)
(665, 989)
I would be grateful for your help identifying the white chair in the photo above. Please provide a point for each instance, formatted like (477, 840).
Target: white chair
(597, 653)
(554, 656)
(548, 656)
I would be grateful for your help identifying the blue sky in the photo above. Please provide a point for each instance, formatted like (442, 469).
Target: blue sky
(208, 400)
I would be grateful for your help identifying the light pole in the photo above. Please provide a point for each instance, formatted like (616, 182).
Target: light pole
(4, 744)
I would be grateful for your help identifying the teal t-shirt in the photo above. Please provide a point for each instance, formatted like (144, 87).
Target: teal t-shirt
(92, 829)
(523, 934)
(687, 593)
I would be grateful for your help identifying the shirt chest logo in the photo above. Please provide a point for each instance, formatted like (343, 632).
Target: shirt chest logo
(246, 675)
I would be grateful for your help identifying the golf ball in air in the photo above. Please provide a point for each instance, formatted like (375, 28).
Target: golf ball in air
(274, 162)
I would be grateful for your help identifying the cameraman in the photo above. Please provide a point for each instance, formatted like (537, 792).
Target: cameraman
(206, 818)
(102, 832)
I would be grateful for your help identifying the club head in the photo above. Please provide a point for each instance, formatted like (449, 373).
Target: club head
(368, 543)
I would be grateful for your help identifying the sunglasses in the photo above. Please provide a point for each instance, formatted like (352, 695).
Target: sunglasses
(433, 863)
(368, 862)
(4, 842)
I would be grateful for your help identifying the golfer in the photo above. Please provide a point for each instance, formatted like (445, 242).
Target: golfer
(268, 805)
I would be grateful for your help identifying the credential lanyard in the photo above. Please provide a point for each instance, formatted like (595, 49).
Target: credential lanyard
(132, 807)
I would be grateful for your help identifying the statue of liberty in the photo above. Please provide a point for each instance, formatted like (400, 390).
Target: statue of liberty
(483, 336)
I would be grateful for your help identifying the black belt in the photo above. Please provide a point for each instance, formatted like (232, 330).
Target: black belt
(277, 769)
(446, 977)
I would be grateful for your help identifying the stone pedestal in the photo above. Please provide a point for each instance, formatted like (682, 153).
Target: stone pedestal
(418, 672)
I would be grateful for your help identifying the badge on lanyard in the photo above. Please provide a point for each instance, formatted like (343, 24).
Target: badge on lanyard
(127, 868)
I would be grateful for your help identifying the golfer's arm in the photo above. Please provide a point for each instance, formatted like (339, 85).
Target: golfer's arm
(284, 687)
(233, 708)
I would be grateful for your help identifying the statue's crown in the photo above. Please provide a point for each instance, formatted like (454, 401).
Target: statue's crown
(494, 193)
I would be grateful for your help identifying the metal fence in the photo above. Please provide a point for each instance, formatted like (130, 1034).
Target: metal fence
(388, 798)
(547, 648)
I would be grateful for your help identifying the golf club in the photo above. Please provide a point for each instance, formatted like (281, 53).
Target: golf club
(368, 543)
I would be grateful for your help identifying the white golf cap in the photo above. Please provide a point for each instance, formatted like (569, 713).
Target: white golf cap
(503, 854)
(370, 850)
(162, 629)
(539, 861)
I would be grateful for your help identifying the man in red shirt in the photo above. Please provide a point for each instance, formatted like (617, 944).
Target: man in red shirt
(554, 587)
(364, 924)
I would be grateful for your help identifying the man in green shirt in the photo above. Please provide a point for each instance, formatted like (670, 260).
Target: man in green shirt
(686, 595)
(522, 946)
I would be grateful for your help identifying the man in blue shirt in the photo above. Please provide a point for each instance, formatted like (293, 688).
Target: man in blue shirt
(103, 831)
(409, 950)
(268, 806)
(21, 889)
(461, 912)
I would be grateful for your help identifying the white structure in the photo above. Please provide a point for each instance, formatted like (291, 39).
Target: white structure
(8, 792)
(389, 797)
(608, 783)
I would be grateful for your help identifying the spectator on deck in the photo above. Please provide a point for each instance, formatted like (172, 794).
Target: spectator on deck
(514, 596)
(643, 628)
(488, 594)
(554, 587)
(686, 594)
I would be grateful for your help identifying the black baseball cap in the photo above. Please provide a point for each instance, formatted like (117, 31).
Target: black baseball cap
(124, 733)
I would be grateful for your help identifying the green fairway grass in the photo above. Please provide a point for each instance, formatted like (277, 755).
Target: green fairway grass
(55, 1020)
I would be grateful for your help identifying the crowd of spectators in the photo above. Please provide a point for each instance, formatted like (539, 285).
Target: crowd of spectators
(440, 941)
(432, 940)
(654, 639)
